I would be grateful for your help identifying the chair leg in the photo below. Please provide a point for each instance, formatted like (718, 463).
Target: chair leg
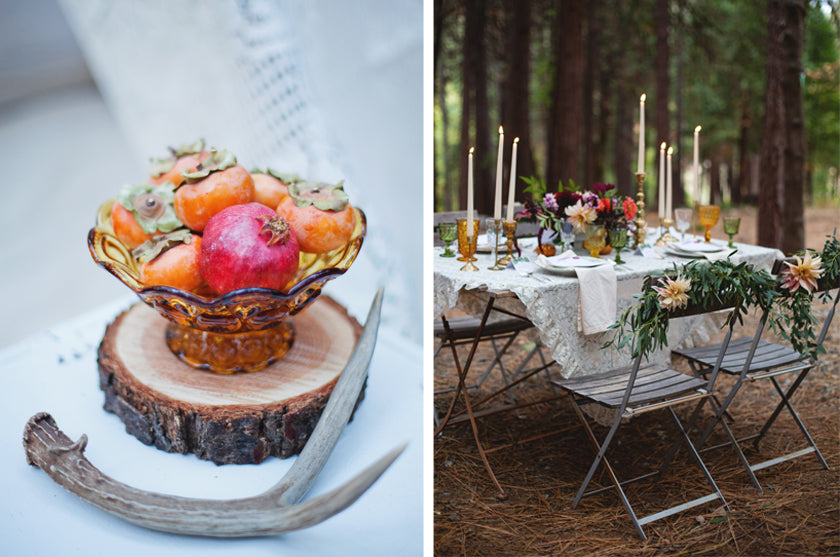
(736, 446)
(675, 447)
(600, 458)
(798, 421)
(700, 373)
(696, 456)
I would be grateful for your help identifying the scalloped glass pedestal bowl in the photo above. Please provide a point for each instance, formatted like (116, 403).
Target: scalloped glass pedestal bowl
(243, 330)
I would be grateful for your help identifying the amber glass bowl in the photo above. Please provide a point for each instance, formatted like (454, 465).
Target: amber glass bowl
(243, 330)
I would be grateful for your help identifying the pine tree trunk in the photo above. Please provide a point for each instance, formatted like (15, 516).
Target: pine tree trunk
(781, 204)
(592, 63)
(663, 80)
(485, 178)
(566, 120)
(516, 96)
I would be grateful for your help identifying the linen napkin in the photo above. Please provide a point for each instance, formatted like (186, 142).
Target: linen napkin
(598, 287)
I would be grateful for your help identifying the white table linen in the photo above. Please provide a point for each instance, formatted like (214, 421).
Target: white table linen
(551, 302)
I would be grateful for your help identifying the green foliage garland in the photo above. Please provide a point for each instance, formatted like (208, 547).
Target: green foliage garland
(644, 326)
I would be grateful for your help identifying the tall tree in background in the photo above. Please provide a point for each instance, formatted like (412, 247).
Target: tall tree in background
(781, 201)
(515, 96)
(590, 77)
(565, 118)
(662, 22)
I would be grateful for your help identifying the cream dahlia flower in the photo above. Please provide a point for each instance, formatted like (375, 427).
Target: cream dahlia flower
(673, 294)
(804, 274)
(580, 214)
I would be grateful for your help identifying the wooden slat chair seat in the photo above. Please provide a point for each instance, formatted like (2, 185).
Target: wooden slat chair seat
(752, 359)
(654, 384)
(767, 356)
(637, 389)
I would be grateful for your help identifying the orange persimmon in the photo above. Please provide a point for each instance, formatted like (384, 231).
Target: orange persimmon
(176, 267)
(195, 204)
(268, 190)
(126, 228)
(175, 174)
(317, 230)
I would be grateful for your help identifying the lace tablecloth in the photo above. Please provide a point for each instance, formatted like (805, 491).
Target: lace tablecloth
(551, 301)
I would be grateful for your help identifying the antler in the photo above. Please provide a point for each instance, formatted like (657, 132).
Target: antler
(274, 511)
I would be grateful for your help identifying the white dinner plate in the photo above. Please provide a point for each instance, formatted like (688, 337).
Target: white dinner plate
(566, 265)
(680, 253)
(696, 247)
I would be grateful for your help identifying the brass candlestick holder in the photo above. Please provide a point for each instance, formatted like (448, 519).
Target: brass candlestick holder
(467, 244)
(509, 228)
(639, 233)
(666, 237)
(494, 227)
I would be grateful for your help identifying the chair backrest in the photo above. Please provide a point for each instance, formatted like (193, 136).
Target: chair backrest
(692, 308)
(449, 216)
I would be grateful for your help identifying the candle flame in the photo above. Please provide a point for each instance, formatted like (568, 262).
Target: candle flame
(662, 146)
(670, 151)
(697, 129)
(472, 150)
(516, 140)
(643, 97)
(501, 130)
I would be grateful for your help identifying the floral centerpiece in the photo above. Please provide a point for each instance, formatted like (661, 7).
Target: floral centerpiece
(599, 205)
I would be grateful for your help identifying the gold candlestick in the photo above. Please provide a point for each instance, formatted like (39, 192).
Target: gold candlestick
(497, 228)
(509, 228)
(666, 237)
(639, 233)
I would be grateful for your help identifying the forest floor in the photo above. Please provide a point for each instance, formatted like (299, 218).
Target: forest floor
(540, 457)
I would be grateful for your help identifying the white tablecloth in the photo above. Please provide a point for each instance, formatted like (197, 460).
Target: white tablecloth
(550, 301)
(55, 371)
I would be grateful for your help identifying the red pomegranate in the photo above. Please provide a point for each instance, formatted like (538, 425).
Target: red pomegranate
(245, 246)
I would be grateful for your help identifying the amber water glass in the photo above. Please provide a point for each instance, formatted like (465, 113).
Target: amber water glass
(708, 216)
(466, 245)
(596, 239)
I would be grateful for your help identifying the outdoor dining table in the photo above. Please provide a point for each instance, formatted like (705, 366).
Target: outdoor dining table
(550, 301)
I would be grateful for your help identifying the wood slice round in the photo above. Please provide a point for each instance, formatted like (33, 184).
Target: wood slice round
(242, 418)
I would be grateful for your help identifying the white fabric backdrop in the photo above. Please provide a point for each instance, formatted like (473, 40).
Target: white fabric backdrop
(327, 89)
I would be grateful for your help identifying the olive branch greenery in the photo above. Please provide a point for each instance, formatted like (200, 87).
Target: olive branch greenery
(644, 325)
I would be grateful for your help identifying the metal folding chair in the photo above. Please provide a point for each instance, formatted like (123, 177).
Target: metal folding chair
(501, 333)
(752, 359)
(635, 390)
(487, 330)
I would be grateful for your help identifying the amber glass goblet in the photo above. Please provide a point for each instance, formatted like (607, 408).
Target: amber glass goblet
(596, 239)
(467, 244)
(448, 233)
(618, 240)
(708, 216)
(731, 225)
